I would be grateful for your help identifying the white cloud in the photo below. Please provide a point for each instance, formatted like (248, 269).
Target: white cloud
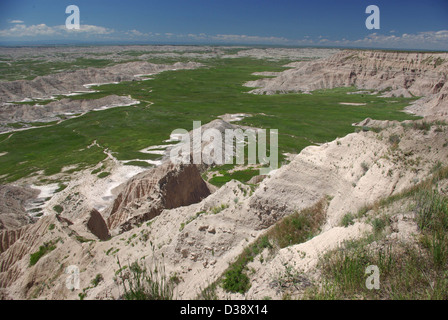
(421, 40)
(135, 33)
(86, 28)
(22, 30)
(428, 40)
(242, 38)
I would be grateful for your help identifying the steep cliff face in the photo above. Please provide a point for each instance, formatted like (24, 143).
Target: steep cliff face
(27, 239)
(9, 237)
(33, 260)
(147, 194)
(397, 73)
(12, 206)
(97, 226)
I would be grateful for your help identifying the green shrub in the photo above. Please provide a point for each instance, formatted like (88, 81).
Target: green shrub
(432, 219)
(347, 219)
(58, 208)
(218, 209)
(83, 239)
(438, 249)
(405, 273)
(235, 280)
(95, 171)
(365, 166)
(394, 140)
(61, 187)
(235, 277)
(98, 278)
(43, 250)
(103, 175)
(379, 224)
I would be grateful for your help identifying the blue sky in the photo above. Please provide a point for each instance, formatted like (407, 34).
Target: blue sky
(403, 24)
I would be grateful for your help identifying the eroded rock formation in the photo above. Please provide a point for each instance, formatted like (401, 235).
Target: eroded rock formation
(147, 194)
(397, 73)
(10, 113)
(12, 206)
(66, 82)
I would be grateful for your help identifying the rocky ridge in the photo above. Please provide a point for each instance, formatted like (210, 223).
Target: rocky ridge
(68, 82)
(393, 73)
(53, 111)
(12, 206)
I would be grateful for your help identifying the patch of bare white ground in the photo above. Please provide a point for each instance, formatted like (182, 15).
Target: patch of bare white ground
(232, 117)
(114, 105)
(94, 192)
(77, 93)
(267, 74)
(352, 104)
(148, 161)
(45, 192)
(88, 85)
(160, 149)
(91, 191)
(363, 92)
(174, 137)
(101, 191)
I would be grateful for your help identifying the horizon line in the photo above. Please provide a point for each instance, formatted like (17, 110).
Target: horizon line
(31, 43)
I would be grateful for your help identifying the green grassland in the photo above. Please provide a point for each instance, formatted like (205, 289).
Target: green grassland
(172, 100)
(28, 69)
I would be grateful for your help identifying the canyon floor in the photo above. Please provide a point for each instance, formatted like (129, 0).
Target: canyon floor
(92, 207)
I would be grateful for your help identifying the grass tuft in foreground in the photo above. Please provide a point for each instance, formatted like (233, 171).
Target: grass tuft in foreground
(140, 282)
(300, 226)
(415, 269)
